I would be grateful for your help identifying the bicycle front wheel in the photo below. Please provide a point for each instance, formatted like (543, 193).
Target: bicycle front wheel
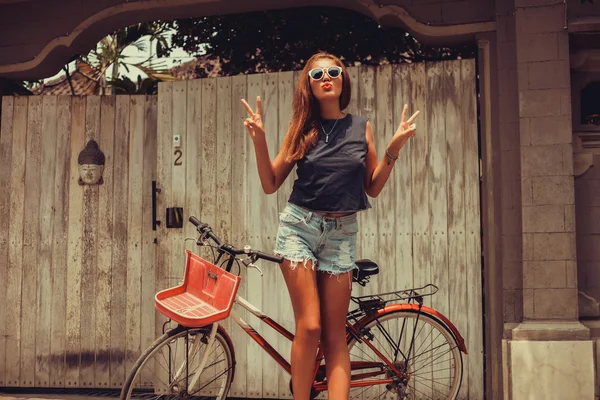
(422, 349)
(183, 363)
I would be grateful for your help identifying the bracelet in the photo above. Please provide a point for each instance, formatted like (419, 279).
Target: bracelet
(390, 156)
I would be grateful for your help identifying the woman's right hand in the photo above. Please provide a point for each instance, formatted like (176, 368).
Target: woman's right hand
(254, 122)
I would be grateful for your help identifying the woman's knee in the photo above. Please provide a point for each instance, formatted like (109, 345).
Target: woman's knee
(309, 329)
(332, 338)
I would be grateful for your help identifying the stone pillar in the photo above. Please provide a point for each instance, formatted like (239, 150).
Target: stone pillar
(549, 355)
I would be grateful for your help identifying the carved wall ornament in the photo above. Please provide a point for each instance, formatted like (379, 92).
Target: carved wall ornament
(91, 164)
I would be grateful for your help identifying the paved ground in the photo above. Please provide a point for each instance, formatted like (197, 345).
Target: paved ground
(52, 396)
(38, 396)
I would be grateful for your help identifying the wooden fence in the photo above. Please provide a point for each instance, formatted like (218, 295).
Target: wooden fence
(424, 227)
(79, 266)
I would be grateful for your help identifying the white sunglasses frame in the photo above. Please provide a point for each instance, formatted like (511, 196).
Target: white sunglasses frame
(326, 71)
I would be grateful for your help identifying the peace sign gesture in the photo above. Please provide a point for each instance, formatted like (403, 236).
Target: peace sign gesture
(407, 128)
(254, 122)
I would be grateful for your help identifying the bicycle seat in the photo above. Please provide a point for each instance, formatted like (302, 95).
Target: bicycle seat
(365, 268)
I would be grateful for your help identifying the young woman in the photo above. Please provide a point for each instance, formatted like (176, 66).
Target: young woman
(337, 169)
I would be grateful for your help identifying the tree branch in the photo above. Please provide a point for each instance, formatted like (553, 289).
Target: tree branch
(66, 68)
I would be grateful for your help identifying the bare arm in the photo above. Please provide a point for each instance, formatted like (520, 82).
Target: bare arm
(272, 174)
(377, 173)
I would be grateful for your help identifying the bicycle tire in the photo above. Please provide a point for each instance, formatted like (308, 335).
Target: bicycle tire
(164, 342)
(414, 389)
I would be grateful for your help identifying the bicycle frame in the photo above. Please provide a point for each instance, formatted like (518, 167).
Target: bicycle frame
(321, 385)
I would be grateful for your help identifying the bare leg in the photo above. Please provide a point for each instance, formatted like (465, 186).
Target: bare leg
(302, 286)
(334, 292)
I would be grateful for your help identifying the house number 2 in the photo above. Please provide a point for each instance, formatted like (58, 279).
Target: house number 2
(178, 155)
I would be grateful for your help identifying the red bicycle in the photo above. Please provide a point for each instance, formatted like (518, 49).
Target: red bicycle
(399, 348)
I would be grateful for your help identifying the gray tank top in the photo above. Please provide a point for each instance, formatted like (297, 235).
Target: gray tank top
(331, 174)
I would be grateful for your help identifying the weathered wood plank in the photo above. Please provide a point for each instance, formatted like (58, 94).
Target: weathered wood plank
(285, 315)
(384, 216)
(148, 266)
(420, 187)
(164, 142)
(134, 232)
(6, 138)
(438, 203)
(192, 148)
(106, 142)
(31, 241)
(60, 241)
(457, 284)
(239, 197)
(268, 231)
(286, 87)
(118, 320)
(178, 176)
(224, 167)
(224, 159)
(354, 108)
(208, 157)
(254, 377)
(15, 252)
(89, 257)
(474, 333)
(44, 287)
(386, 201)
(74, 246)
(368, 233)
(402, 84)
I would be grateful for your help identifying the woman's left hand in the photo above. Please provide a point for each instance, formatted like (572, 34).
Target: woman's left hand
(405, 131)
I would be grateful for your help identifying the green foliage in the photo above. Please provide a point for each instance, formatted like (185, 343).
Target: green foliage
(283, 40)
(109, 51)
(127, 86)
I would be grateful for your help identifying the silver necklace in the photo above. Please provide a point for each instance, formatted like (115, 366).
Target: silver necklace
(325, 132)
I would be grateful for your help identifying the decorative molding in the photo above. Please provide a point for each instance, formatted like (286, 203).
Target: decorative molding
(110, 12)
(376, 11)
(584, 24)
(380, 12)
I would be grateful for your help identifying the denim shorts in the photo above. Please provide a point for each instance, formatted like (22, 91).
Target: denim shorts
(329, 242)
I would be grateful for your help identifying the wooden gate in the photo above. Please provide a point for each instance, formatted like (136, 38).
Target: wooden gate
(79, 266)
(76, 262)
(424, 227)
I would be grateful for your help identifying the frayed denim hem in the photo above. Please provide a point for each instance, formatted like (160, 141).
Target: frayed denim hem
(297, 258)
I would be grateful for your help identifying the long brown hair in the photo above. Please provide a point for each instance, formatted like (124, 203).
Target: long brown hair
(303, 131)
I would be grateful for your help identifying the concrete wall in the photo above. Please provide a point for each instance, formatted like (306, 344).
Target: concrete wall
(510, 200)
(585, 9)
(587, 201)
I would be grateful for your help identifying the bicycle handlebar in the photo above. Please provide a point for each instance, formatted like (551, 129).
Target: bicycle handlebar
(206, 230)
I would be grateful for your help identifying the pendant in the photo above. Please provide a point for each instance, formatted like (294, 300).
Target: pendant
(326, 138)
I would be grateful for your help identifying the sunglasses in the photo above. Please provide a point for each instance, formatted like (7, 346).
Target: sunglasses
(318, 73)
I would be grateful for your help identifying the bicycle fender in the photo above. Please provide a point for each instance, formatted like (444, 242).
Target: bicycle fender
(223, 332)
(425, 310)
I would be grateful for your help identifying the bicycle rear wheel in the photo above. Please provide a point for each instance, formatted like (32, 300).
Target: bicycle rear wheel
(419, 346)
(164, 371)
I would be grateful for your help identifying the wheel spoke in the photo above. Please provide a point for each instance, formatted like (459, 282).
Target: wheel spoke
(434, 365)
(165, 374)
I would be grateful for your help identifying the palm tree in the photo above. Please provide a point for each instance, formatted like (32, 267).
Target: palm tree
(108, 54)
